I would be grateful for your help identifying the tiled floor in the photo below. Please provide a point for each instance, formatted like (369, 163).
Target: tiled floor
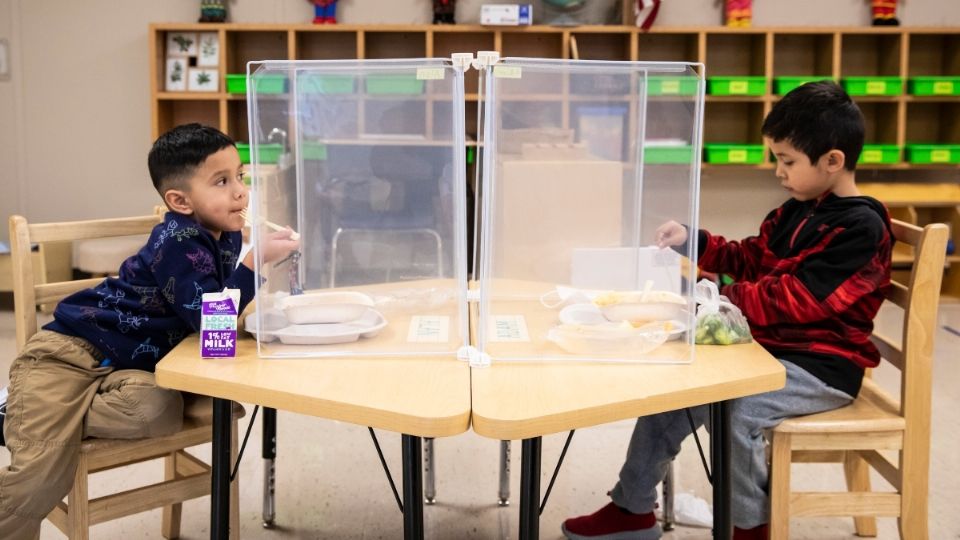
(330, 483)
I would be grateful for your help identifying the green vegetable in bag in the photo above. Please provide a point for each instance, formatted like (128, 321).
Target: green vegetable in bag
(719, 322)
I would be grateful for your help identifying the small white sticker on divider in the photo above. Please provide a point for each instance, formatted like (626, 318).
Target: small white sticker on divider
(508, 328)
(429, 329)
(428, 74)
(506, 72)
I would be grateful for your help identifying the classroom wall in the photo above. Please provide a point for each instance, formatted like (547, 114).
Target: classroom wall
(75, 117)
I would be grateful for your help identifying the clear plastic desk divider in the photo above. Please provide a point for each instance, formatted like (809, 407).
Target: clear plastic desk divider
(583, 161)
(365, 159)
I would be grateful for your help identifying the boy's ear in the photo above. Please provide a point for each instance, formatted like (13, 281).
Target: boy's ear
(178, 201)
(835, 160)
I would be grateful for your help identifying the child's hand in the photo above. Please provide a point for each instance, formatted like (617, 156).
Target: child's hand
(671, 233)
(274, 246)
(277, 245)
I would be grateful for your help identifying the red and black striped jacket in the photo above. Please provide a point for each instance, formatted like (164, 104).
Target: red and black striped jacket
(811, 283)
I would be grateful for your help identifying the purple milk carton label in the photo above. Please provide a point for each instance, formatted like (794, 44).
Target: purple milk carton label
(218, 324)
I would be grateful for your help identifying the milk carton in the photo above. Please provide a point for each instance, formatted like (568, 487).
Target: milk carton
(218, 324)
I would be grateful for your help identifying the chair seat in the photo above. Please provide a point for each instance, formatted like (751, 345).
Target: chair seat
(862, 416)
(105, 255)
(197, 422)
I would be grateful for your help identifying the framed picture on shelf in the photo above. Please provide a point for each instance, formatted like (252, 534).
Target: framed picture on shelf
(176, 79)
(203, 80)
(208, 49)
(181, 44)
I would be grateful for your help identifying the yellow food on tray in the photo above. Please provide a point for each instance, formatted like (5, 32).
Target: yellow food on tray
(610, 298)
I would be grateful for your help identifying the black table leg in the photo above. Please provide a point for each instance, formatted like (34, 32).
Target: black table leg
(269, 452)
(530, 489)
(720, 450)
(220, 477)
(412, 487)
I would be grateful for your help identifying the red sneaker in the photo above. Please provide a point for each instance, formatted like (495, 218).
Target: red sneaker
(612, 523)
(760, 532)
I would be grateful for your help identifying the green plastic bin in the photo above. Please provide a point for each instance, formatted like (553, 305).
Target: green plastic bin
(783, 85)
(737, 86)
(934, 86)
(326, 84)
(883, 154)
(266, 84)
(733, 154)
(873, 86)
(671, 86)
(668, 155)
(313, 150)
(394, 84)
(933, 154)
(268, 152)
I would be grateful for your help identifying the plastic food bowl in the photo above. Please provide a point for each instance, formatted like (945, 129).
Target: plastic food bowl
(367, 326)
(273, 320)
(635, 307)
(325, 307)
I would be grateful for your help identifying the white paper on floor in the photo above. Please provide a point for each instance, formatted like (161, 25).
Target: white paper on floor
(690, 510)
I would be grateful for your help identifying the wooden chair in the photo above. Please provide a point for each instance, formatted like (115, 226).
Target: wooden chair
(856, 435)
(185, 477)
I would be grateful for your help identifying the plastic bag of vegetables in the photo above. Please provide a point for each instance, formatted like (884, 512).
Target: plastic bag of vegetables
(718, 321)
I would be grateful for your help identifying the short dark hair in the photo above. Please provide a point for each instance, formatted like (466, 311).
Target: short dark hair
(815, 118)
(176, 153)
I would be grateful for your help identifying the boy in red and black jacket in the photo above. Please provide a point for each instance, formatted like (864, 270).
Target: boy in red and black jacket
(810, 284)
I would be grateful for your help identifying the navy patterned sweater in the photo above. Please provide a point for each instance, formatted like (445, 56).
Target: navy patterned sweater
(137, 317)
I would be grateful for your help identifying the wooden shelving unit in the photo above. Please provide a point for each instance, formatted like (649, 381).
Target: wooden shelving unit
(767, 52)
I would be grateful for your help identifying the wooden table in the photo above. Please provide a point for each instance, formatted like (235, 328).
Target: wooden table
(418, 397)
(528, 400)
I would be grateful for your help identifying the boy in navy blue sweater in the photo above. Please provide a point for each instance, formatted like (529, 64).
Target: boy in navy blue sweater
(89, 373)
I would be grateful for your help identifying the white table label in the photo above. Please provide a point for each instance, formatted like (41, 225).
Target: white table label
(508, 328)
(429, 329)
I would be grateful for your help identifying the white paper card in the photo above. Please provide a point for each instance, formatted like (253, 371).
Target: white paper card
(508, 328)
(625, 269)
(429, 329)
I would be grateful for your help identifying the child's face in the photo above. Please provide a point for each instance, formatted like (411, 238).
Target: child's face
(801, 178)
(217, 193)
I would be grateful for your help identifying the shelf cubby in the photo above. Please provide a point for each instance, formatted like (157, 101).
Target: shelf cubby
(379, 44)
(326, 45)
(600, 46)
(173, 112)
(933, 122)
(669, 47)
(934, 54)
(736, 53)
(248, 45)
(804, 54)
(868, 55)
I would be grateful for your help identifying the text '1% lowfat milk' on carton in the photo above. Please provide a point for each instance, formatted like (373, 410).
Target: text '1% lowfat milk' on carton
(218, 324)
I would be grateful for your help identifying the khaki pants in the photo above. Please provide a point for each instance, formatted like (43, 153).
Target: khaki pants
(59, 395)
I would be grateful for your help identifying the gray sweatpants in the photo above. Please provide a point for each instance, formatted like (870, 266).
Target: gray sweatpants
(656, 440)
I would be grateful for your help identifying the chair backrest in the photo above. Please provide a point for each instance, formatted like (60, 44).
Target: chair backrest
(919, 297)
(27, 293)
